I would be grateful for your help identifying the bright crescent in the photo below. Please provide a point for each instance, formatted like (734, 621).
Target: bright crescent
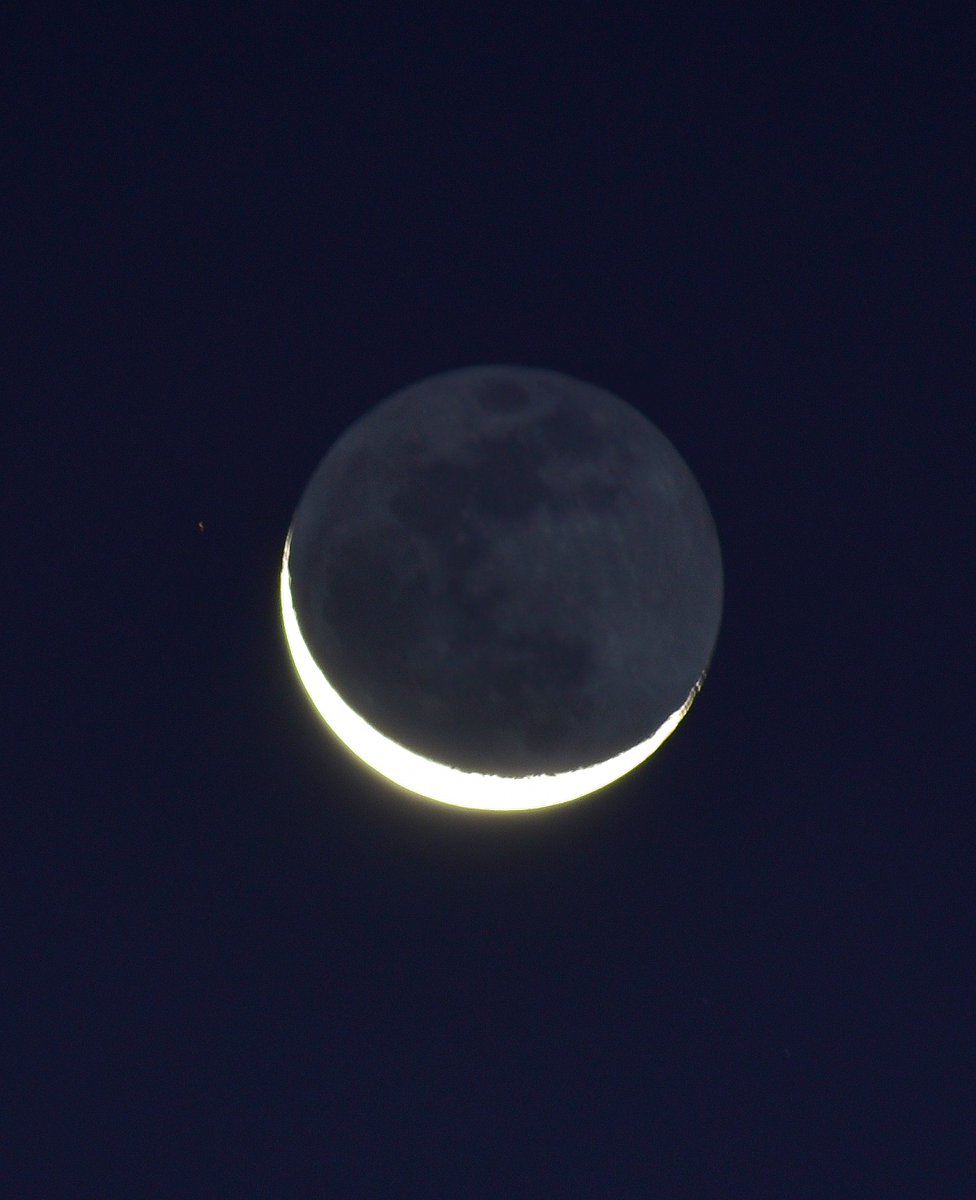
(501, 588)
(437, 781)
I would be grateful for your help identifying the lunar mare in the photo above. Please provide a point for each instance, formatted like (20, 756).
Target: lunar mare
(502, 588)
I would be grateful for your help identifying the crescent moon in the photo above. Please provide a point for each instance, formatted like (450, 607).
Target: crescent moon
(494, 584)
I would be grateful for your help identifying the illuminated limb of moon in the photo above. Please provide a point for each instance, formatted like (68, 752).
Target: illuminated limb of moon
(437, 781)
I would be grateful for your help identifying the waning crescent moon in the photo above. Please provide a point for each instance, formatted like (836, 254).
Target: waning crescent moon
(437, 781)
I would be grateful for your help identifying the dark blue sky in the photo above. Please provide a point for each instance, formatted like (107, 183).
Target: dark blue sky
(242, 965)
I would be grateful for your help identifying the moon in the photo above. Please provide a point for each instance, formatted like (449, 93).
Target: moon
(502, 588)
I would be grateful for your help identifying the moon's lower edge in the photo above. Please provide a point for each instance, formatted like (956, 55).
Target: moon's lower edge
(438, 781)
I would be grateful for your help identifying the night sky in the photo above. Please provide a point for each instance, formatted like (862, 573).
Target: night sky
(238, 963)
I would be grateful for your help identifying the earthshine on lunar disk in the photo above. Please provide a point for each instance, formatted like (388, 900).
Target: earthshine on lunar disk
(502, 588)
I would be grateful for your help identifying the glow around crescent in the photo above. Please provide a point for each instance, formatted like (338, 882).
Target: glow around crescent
(438, 781)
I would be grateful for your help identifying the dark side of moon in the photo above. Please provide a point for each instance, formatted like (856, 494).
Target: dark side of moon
(508, 571)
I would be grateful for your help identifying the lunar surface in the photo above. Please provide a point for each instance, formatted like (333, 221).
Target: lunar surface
(502, 588)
